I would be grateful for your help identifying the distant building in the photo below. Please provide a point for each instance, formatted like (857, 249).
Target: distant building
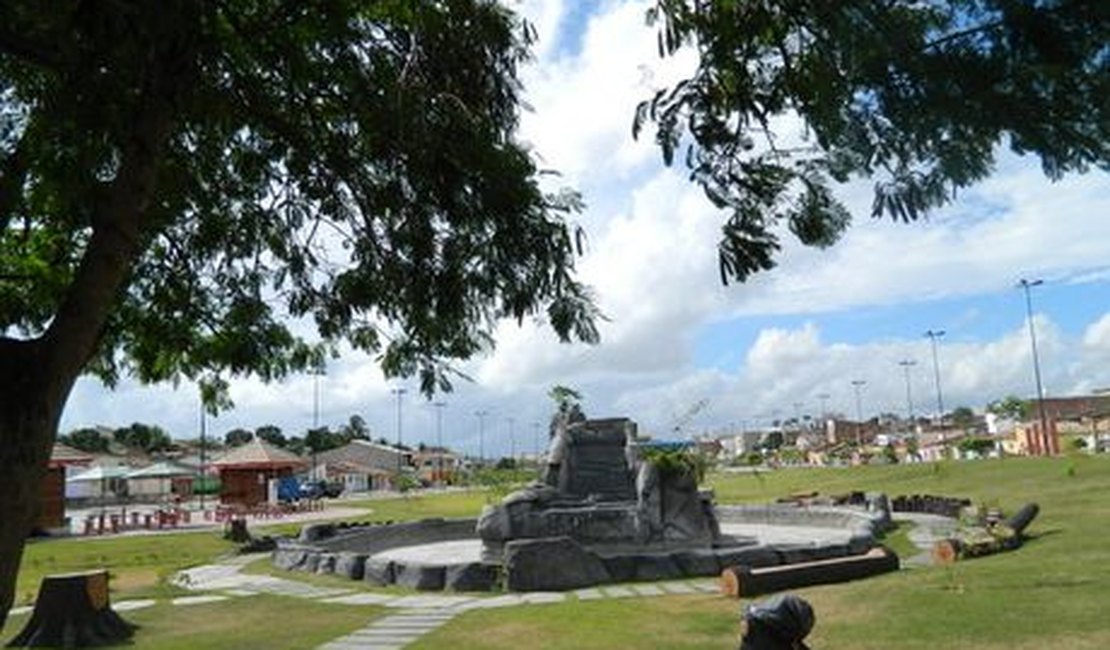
(52, 507)
(437, 466)
(363, 465)
(1030, 440)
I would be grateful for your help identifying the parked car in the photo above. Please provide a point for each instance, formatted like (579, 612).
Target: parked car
(320, 489)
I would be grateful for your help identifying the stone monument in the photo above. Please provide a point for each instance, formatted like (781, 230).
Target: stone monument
(597, 499)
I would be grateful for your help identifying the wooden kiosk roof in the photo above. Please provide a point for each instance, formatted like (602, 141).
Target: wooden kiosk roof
(258, 454)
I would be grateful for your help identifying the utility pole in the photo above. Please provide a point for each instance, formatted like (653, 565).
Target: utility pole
(481, 415)
(1027, 285)
(512, 439)
(400, 393)
(858, 384)
(316, 372)
(439, 440)
(933, 336)
(824, 399)
(906, 365)
(203, 444)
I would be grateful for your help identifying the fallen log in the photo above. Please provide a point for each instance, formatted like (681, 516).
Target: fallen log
(72, 611)
(739, 581)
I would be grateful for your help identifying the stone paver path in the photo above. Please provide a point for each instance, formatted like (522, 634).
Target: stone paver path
(413, 616)
(927, 530)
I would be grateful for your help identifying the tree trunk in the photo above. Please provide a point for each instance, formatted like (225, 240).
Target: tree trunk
(29, 412)
(37, 375)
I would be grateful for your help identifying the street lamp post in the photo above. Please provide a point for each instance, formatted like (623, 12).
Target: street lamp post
(316, 373)
(933, 336)
(512, 439)
(857, 385)
(481, 415)
(203, 444)
(1026, 285)
(439, 439)
(400, 393)
(824, 399)
(906, 365)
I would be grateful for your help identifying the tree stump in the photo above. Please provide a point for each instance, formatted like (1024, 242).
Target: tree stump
(236, 530)
(72, 611)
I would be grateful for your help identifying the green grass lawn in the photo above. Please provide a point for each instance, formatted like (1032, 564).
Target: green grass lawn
(139, 565)
(263, 621)
(1052, 593)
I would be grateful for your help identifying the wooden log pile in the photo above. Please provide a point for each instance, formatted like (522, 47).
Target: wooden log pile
(741, 581)
(929, 504)
(978, 541)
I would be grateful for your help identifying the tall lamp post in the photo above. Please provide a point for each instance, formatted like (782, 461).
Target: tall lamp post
(906, 365)
(400, 393)
(512, 439)
(316, 373)
(933, 336)
(1026, 285)
(203, 444)
(439, 439)
(857, 385)
(481, 415)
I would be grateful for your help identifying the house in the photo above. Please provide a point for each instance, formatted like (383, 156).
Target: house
(1030, 440)
(363, 465)
(52, 504)
(437, 466)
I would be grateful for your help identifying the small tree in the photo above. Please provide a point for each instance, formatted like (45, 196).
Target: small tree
(963, 417)
(87, 439)
(271, 434)
(976, 446)
(1011, 406)
(237, 437)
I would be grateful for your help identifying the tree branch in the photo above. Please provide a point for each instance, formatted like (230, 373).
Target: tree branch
(948, 38)
(16, 44)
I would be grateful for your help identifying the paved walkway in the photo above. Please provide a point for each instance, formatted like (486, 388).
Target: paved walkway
(927, 530)
(413, 616)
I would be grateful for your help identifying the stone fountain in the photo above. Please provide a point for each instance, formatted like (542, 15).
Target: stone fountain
(601, 512)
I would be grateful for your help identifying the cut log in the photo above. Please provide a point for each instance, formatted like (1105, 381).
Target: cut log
(738, 581)
(1021, 519)
(72, 611)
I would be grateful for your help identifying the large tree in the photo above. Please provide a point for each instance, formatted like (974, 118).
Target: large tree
(918, 96)
(186, 186)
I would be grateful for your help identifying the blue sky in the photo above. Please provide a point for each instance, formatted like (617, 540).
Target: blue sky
(676, 336)
(969, 319)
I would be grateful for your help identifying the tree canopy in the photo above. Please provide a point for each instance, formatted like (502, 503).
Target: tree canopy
(918, 96)
(350, 165)
(199, 190)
